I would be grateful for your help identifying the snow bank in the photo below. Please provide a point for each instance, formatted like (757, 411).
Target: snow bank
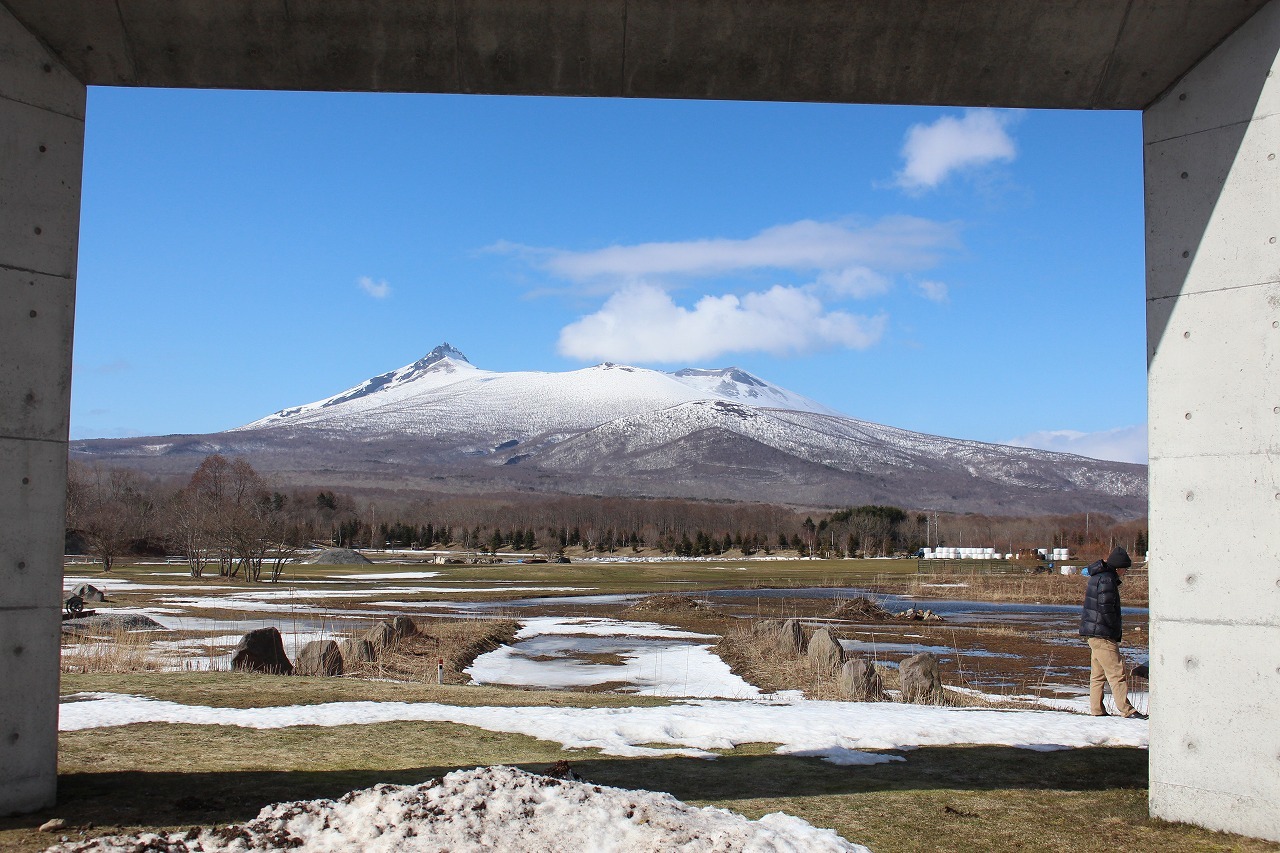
(831, 730)
(663, 670)
(601, 627)
(494, 809)
(656, 660)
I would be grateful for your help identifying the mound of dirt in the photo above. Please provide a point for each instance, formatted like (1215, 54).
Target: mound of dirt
(861, 609)
(339, 557)
(111, 622)
(666, 603)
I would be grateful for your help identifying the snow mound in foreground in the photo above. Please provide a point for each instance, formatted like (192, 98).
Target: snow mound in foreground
(493, 808)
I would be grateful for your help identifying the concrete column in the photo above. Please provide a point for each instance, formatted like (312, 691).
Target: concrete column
(1212, 158)
(41, 152)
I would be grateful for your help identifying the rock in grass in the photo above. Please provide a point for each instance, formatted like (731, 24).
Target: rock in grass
(261, 651)
(824, 651)
(404, 627)
(356, 651)
(89, 592)
(382, 636)
(860, 682)
(319, 657)
(919, 679)
(791, 638)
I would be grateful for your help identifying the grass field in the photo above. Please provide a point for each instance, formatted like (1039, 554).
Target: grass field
(152, 776)
(170, 776)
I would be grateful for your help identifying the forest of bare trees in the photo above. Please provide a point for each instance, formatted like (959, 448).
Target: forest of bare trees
(229, 515)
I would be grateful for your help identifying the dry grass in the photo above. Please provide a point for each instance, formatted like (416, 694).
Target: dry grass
(457, 642)
(256, 690)
(750, 651)
(1011, 587)
(108, 651)
(1000, 799)
(120, 650)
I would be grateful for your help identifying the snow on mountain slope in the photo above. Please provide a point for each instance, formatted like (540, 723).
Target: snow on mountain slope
(613, 429)
(732, 384)
(444, 394)
(839, 443)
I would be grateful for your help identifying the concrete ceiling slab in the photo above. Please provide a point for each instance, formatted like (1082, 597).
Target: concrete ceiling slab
(1099, 54)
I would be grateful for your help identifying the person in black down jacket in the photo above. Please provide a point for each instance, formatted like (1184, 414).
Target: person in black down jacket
(1100, 624)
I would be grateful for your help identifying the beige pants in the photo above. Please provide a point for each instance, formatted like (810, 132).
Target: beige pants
(1105, 665)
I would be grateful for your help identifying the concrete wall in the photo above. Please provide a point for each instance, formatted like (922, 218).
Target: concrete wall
(1212, 156)
(41, 149)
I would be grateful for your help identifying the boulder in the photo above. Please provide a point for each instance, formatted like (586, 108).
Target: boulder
(357, 651)
(89, 592)
(319, 657)
(860, 681)
(825, 651)
(261, 651)
(382, 636)
(791, 638)
(404, 627)
(919, 679)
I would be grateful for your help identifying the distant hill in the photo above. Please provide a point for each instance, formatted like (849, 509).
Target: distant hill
(442, 424)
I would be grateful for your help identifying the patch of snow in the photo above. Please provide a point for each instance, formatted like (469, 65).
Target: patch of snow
(693, 727)
(649, 668)
(495, 808)
(601, 627)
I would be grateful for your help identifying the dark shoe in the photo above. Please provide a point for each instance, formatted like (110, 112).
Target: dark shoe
(1136, 715)
(1103, 714)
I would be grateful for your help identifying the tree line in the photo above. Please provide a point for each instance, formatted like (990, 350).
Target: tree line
(229, 515)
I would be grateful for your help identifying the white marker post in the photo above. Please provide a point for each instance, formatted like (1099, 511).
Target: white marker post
(440, 671)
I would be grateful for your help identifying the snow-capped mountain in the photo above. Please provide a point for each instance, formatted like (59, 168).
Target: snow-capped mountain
(443, 393)
(615, 429)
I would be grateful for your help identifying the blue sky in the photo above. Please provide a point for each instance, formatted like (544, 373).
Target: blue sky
(968, 273)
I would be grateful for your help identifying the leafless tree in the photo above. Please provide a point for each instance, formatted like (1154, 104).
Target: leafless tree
(110, 508)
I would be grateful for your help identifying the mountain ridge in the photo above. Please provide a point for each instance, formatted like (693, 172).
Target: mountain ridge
(719, 433)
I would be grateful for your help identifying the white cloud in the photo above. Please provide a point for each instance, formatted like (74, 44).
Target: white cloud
(933, 151)
(896, 242)
(641, 323)
(376, 289)
(1123, 444)
(934, 291)
(855, 282)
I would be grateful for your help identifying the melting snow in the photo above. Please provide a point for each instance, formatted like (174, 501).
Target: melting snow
(827, 729)
(495, 808)
(654, 661)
